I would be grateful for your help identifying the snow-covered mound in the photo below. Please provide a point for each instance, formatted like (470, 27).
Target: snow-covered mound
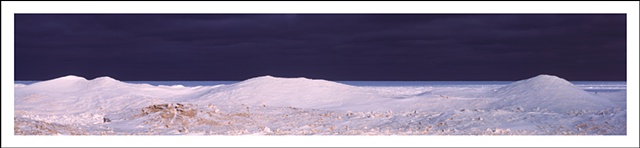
(295, 92)
(76, 84)
(66, 83)
(73, 94)
(548, 92)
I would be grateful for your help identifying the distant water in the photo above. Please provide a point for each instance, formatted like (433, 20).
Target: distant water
(184, 83)
(425, 83)
(592, 86)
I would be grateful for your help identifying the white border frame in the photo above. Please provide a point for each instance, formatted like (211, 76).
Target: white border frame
(9, 8)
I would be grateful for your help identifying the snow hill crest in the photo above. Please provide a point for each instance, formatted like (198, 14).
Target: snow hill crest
(548, 92)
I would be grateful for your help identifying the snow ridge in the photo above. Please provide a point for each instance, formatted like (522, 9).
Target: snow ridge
(73, 94)
(295, 92)
(300, 106)
(72, 83)
(548, 92)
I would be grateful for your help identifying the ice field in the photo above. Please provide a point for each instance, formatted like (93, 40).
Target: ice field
(541, 105)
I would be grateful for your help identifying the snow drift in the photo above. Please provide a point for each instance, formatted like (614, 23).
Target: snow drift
(73, 94)
(548, 92)
(285, 106)
(294, 92)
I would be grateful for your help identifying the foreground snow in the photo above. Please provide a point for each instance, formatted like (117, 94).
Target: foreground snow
(268, 105)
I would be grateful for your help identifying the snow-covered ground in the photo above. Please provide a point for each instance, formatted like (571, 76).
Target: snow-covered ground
(542, 105)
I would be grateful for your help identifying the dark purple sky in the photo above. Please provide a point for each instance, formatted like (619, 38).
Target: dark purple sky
(324, 46)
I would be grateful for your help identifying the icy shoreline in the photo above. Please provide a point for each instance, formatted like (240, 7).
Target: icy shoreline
(542, 105)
